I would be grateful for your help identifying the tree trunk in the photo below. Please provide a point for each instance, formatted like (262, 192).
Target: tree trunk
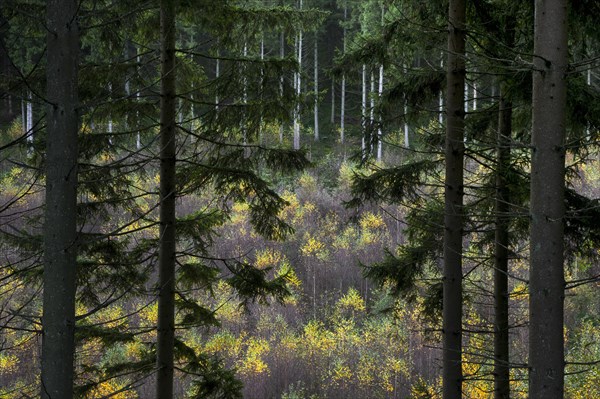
(29, 124)
(343, 94)
(298, 91)
(281, 54)
(60, 230)
(453, 209)
(332, 101)
(547, 283)
(371, 111)
(363, 114)
(501, 327)
(379, 132)
(166, 257)
(316, 86)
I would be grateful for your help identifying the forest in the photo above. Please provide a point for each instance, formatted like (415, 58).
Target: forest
(300, 199)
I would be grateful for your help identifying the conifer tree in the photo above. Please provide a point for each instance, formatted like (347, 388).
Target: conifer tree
(60, 230)
(547, 281)
(166, 256)
(453, 209)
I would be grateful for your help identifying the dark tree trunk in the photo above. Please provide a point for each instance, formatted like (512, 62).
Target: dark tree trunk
(547, 283)
(166, 262)
(501, 327)
(60, 230)
(453, 209)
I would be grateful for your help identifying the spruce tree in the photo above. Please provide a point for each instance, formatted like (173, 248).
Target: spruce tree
(547, 281)
(60, 230)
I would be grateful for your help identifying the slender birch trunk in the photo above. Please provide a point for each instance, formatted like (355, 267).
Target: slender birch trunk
(29, 124)
(298, 92)
(379, 128)
(363, 114)
(371, 112)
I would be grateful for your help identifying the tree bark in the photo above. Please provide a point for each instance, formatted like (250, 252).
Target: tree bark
(281, 54)
(501, 246)
(316, 86)
(547, 283)
(60, 230)
(166, 257)
(379, 131)
(298, 91)
(363, 115)
(453, 209)
(343, 94)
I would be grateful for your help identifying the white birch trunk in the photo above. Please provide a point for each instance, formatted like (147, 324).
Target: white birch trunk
(29, 125)
(363, 117)
(298, 92)
(372, 111)
(474, 96)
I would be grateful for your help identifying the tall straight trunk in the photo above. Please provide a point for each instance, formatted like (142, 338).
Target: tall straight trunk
(379, 132)
(316, 86)
(363, 114)
(60, 229)
(502, 210)
(589, 83)
(453, 209)
(217, 76)
(332, 100)
(138, 140)
(281, 78)
(298, 90)
(29, 124)
(379, 93)
(343, 94)
(406, 141)
(371, 112)
(243, 125)
(441, 98)
(474, 96)
(166, 255)
(262, 84)
(546, 281)
(343, 109)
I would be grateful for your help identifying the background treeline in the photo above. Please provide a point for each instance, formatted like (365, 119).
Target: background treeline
(299, 199)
